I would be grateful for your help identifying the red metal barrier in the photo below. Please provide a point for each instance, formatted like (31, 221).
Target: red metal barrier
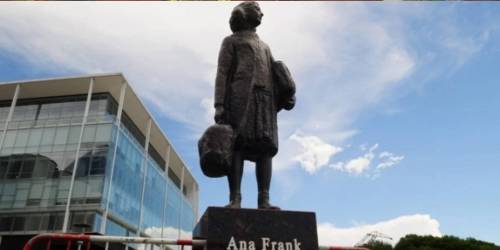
(86, 240)
(57, 236)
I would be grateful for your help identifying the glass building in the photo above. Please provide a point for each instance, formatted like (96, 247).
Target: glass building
(83, 154)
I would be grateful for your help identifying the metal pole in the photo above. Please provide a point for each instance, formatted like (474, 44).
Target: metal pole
(195, 205)
(145, 167)
(182, 200)
(75, 165)
(9, 117)
(167, 161)
(113, 160)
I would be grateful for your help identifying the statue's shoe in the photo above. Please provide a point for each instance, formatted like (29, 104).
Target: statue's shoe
(234, 200)
(233, 204)
(268, 206)
(263, 201)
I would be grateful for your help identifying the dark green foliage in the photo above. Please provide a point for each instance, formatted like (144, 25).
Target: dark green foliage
(377, 245)
(415, 242)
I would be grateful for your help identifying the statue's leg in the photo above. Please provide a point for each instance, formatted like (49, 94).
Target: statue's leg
(264, 169)
(234, 180)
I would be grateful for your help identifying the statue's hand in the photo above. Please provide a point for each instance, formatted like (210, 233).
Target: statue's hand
(290, 103)
(219, 114)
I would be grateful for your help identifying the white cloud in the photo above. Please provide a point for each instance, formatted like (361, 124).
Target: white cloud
(420, 224)
(359, 164)
(208, 105)
(314, 153)
(338, 166)
(388, 159)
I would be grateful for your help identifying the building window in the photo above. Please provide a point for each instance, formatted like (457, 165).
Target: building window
(156, 157)
(28, 166)
(175, 179)
(4, 112)
(14, 169)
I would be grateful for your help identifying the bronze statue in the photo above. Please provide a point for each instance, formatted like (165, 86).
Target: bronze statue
(250, 89)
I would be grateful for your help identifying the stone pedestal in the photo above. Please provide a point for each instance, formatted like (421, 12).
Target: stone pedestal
(253, 229)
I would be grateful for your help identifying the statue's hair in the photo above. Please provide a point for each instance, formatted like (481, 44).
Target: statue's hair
(238, 20)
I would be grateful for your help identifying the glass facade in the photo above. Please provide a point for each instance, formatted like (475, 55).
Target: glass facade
(39, 150)
(37, 161)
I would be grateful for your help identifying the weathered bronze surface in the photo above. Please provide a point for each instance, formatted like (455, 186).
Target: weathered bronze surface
(250, 89)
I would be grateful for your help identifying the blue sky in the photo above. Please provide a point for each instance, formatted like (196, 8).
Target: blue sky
(396, 124)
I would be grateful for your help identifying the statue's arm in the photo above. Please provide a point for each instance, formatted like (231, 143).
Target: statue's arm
(223, 75)
(223, 71)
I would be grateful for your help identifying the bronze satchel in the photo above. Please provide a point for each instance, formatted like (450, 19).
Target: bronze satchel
(284, 84)
(215, 149)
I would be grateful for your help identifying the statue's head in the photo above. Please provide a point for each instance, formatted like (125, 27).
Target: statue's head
(245, 16)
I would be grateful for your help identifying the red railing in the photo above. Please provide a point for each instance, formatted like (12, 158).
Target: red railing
(85, 241)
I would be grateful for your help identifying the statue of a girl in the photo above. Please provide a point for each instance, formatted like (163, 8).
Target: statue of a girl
(247, 99)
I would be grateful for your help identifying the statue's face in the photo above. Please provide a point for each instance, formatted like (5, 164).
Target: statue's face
(254, 14)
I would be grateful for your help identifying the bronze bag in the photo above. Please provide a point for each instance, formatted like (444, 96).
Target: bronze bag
(215, 149)
(284, 84)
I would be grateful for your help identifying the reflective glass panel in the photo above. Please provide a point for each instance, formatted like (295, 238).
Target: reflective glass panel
(35, 137)
(125, 198)
(61, 135)
(4, 112)
(154, 200)
(10, 139)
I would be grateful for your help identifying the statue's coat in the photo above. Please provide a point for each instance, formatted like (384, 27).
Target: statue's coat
(244, 87)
